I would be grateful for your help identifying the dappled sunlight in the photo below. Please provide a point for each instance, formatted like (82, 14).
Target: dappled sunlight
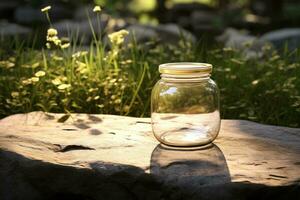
(256, 152)
(149, 99)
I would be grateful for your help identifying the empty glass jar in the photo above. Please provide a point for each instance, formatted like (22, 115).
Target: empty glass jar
(185, 105)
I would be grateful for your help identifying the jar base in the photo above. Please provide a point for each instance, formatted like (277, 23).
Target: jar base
(188, 138)
(186, 148)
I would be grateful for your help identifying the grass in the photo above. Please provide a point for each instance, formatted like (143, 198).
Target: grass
(95, 81)
(118, 79)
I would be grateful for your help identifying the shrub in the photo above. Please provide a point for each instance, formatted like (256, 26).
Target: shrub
(118, 80)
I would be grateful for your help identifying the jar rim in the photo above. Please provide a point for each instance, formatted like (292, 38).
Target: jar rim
(184, 68)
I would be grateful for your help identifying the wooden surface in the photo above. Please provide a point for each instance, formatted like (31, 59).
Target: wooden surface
(89, 156)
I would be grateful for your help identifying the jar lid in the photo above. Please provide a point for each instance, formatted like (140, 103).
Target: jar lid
(184, 68)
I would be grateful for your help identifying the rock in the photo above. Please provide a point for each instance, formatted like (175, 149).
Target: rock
(141, 33)
(59, 12)
(168, 33)
(172, 34)
(114, 157)
(252, 46)
(236, 39)
(197, 17)
(289, 37)
(83, 12)
(107, 22)
(81, 29)
(181, 12)
(7, 8)
(11, 29)
(115, 24)
(29, 15)
(249, 45)
(188, 7)
(204, 21)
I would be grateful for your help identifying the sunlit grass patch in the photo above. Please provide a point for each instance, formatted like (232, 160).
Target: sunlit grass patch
(118, 79)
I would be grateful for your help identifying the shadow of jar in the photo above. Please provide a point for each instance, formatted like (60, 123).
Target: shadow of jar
(190, 169)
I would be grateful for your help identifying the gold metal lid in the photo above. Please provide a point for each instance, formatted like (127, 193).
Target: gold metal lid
(185, 68)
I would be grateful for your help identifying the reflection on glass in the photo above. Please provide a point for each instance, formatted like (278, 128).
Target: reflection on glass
(183, 168)
(186, 129)
(185, 105)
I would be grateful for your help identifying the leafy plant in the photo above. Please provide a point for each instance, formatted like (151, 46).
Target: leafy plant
(119, 79)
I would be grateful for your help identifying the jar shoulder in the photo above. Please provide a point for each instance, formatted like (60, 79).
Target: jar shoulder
(204, 83)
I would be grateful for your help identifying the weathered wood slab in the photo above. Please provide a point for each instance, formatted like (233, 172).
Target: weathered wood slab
(114, 157)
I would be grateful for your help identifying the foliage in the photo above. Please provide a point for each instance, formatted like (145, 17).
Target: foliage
(118, 79)
(265, 90)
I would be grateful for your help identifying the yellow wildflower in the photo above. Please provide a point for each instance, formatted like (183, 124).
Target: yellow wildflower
(34, 79)
(26, 66)
(117, 38)
(63, 86)
(48, 45)
(54, 39)
(26, 82)
(57, 58)
(51, 32)
(56, 81)
(126, 62)
(46, 9)
(80, 64)
(97, 9)
(15, 94)
(6, 64)
(255, 82)
(40, 74)
(12, 59)
(101, 106)
(35, 65)
(30, 80)
(126, 108)
(10, 64)
(64, 46)
(79, 54)
(117, 101)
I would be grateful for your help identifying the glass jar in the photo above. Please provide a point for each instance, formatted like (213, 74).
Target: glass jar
(185, 105)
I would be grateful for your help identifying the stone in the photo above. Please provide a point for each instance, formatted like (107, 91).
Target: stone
(173, 33)
(29, 15)
(188, 7)
(108, 22)
(141, 33)
(195, 16)
(59, 11)
(81, 29)
(7, 8)
(236, 39)
(167, 33)
(82, 13)
(116, 157)
(288, 37)
(249, 45)
(204, 21)
(278, 40)
(181, 11)
(10, 30)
